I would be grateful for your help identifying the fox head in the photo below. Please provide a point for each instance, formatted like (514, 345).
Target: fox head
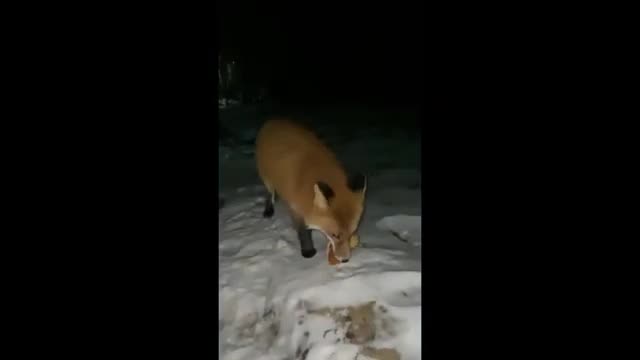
(337, 212)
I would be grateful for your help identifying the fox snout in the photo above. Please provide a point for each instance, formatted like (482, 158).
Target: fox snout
(342, 251)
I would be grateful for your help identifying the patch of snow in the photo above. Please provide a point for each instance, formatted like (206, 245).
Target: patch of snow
(406, 228)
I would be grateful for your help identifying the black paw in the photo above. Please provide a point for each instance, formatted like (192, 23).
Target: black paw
(268, 212)
(309, 253)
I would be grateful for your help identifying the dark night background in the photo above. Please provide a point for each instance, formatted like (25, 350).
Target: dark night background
(315, 53)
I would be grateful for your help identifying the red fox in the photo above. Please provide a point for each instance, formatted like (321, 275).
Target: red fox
(296, 167)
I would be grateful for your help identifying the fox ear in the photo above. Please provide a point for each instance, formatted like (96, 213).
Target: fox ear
(322, 193)
(357, 183)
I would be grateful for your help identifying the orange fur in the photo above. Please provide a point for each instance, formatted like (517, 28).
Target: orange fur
(291, 160)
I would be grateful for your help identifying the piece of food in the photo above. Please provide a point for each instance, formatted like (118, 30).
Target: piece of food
(354, 241)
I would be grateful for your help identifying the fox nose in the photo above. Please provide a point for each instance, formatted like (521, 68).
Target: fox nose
(345, 260)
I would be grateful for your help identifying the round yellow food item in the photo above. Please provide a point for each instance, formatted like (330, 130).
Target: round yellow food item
(354, 241)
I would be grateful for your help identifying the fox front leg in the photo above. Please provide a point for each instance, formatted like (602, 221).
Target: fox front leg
(304, 236)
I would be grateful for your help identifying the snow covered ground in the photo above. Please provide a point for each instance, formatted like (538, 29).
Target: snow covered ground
(275, 304)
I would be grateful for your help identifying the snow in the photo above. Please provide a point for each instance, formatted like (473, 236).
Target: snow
(275, 304)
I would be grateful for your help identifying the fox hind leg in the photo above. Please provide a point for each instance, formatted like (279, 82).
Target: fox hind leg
(268, 204)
